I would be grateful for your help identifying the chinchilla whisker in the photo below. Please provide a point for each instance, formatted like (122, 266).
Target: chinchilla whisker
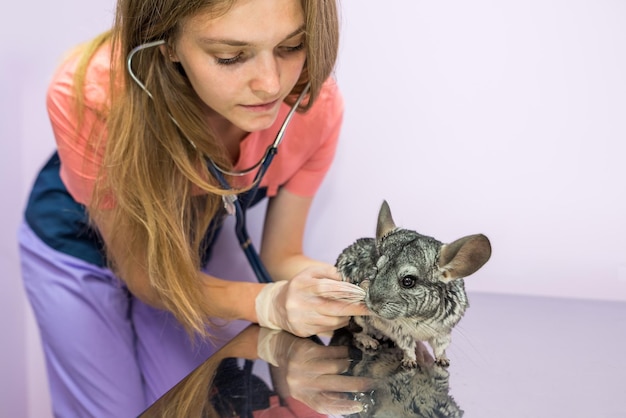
(479, 356)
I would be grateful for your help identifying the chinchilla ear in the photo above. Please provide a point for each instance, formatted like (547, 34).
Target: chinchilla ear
(463, 257)
(385, 221)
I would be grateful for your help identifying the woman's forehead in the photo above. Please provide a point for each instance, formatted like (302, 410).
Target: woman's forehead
(248, 22)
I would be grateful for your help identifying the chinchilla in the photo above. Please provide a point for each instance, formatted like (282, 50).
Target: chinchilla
(414, 286)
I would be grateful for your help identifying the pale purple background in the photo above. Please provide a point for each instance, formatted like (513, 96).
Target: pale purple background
(506, 118)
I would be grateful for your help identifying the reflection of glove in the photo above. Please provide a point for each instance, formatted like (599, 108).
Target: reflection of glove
(310, 303)
(312, 373)
(267, 345)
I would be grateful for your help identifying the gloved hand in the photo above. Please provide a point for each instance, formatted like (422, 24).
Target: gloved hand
(313, 302)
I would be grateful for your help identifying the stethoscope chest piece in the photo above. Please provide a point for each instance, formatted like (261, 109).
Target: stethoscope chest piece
(229, 203)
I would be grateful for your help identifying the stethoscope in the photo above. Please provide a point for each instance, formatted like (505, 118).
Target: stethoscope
(232, 204)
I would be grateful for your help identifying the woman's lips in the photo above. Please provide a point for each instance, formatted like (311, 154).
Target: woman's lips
(264, 107)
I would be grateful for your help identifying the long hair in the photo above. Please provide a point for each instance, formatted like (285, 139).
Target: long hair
(163, 196)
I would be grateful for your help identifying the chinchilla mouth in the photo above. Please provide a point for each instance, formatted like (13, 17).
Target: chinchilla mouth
(385, 310)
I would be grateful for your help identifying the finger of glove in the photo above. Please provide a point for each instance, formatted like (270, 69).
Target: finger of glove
(339, 383)
(322, 272)
(338, 404)
(328, 288)
(321, 314)
(323, 404)
(328, 366)
(315, 323)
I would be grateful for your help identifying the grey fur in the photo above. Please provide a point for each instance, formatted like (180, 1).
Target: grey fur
(414, 284)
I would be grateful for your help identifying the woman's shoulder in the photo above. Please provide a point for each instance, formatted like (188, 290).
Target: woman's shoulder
(76, 123)
(326, 110)
(320, 123)
(95, 81)
(330, 99)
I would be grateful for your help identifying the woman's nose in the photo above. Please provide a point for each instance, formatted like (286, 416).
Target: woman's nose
(266, 78)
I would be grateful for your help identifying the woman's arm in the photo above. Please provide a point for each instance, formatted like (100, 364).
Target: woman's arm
(227, 299)
(313, 300)
(309, 296)
(283, 235)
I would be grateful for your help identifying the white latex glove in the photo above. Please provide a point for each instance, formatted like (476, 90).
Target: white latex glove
(310, 303)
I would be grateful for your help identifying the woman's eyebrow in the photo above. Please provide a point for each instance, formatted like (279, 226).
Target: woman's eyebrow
(233, 42)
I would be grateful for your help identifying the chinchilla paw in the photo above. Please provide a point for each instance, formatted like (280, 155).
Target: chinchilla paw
(408, 363)
(443, 362)
(367, 343)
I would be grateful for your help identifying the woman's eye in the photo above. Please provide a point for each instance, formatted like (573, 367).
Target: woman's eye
(230, 61)
(294, 48)
(241, 56)
(408, 281)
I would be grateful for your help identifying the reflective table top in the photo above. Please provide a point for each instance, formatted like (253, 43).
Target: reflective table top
(511, 356)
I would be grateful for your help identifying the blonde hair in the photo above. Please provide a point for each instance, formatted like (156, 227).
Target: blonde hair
(150, 169)
(191, 396)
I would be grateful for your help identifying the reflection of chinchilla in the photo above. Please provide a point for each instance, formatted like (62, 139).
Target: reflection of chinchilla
(420, 392)
(414, 285)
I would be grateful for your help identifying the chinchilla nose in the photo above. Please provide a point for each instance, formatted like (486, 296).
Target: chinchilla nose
(375, 299)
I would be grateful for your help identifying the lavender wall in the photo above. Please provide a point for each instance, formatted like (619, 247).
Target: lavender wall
(505, 118)
(32, 39)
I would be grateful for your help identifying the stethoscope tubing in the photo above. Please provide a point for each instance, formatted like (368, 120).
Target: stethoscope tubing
(240, 225)
(240, 211)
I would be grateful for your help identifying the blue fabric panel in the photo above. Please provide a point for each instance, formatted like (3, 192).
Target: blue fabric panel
(62, 223)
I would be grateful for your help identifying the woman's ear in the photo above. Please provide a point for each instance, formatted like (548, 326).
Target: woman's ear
(169, 52)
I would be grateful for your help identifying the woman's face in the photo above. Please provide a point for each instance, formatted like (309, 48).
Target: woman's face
(244, 63)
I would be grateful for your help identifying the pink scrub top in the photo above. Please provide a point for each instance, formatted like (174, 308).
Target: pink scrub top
(303, 158)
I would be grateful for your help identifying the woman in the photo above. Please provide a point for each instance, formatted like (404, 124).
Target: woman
(209, 83)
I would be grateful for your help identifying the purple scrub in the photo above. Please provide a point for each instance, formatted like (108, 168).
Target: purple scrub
(98, 339)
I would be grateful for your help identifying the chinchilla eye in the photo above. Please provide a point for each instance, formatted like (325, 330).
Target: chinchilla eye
(408, 281)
